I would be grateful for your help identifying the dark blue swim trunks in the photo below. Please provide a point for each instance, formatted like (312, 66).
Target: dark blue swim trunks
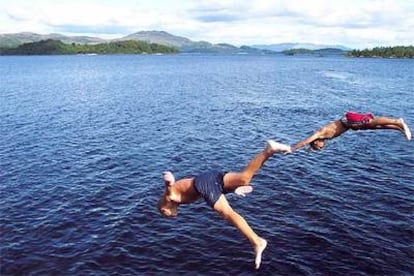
(210, 186)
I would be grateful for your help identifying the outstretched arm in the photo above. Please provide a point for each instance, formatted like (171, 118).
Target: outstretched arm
(317, 135)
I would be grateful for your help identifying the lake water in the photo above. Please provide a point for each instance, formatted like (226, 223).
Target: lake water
(84, 140)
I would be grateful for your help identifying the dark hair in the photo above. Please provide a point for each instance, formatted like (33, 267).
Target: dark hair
(314, 146)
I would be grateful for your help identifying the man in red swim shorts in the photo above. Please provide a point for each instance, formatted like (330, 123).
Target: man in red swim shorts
(354, 121)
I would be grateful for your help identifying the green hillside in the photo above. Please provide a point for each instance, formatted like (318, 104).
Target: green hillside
(56, 47)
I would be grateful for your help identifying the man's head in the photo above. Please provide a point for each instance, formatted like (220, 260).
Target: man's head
(317, 144)
(166, 206)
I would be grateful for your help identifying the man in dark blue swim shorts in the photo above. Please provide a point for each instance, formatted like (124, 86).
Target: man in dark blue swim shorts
(212, 186)
(354, 121)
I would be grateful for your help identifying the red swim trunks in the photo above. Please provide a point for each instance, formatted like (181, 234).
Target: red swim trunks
(353, 119)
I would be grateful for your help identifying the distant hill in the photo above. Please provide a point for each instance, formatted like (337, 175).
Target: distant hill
(186, 45)
(183, 44)
(160, 37)
(57, 47)
(319, 52)
(309, 46)
(14, 40)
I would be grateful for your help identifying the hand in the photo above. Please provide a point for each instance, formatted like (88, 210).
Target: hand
(243, 190)
(291, 149)
(288, 150)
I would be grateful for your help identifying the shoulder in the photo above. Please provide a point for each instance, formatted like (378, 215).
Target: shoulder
(331, 130)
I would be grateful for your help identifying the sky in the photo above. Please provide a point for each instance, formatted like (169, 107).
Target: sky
(352, 23)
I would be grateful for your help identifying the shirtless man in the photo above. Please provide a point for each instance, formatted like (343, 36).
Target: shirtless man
(354, 121)
(212, 186)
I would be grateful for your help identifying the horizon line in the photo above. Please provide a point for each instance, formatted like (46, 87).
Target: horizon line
(162, 31)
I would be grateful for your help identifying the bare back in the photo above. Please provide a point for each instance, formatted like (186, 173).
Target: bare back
(331, 130)
(328, 131)
(183, 191)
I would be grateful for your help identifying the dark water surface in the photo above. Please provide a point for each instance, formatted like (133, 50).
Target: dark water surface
(84, 140)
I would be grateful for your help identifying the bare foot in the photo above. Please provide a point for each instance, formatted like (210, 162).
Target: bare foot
(406, 131)
(259, 250)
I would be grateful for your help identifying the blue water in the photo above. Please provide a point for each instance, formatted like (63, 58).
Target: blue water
(84, 140)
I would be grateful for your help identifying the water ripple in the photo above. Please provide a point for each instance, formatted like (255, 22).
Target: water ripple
(84, 145)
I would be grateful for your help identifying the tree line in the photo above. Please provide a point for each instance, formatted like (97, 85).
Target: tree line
(386, 52)
(57, 47)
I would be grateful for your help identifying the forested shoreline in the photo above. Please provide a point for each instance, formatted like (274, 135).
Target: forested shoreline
(384, 52)
(57, 47)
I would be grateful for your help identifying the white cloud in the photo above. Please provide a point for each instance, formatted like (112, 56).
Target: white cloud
(29, 16)
(355, 22)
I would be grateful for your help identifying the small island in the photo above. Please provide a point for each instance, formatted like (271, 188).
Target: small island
(317, 52)
(385, 52)
(378, 52)
(57, 47)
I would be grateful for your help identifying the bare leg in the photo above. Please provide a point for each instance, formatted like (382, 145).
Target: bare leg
(233, 180)
(389, 123)
(385, 122)
(382, 127)
(259, 244)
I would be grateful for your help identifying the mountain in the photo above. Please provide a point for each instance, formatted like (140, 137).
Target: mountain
(159, 37)
(14, 40)
(183, 44)
(288, 46)
(186, 45)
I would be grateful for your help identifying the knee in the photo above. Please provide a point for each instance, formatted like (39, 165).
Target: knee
(245, 179)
